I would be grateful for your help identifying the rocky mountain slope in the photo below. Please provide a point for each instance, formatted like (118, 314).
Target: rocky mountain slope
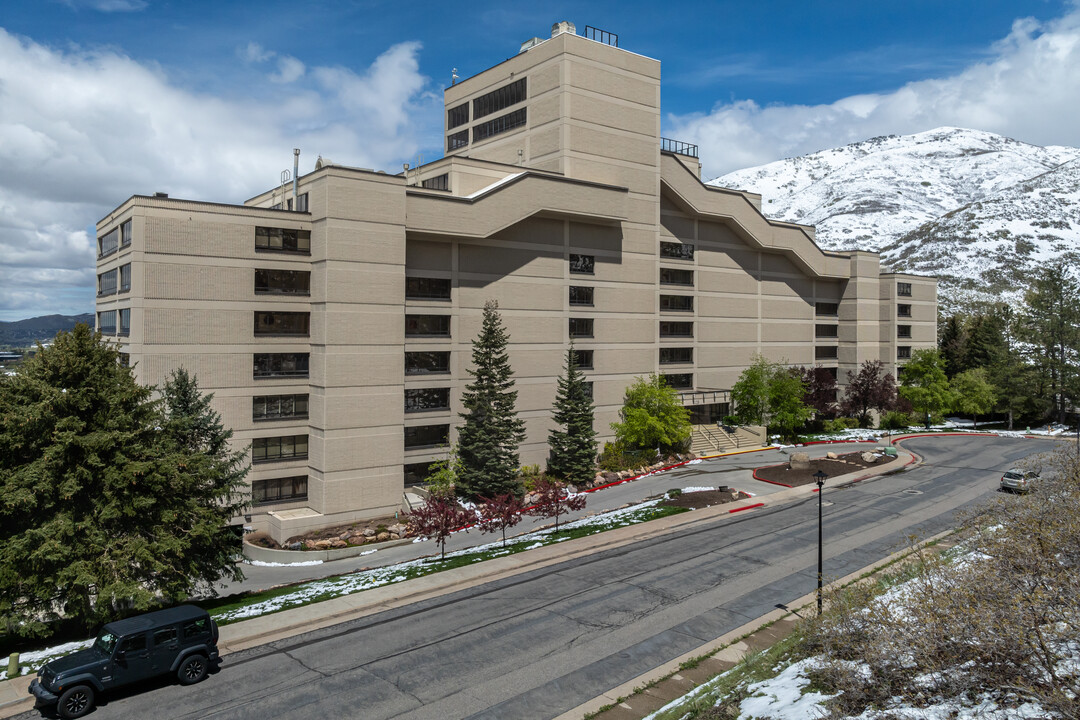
(24, 333)
(977, 209)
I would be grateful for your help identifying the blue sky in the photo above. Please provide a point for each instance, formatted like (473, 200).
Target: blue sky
(102, 99)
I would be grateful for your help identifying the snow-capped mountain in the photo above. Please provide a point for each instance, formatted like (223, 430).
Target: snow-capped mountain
(977, 209)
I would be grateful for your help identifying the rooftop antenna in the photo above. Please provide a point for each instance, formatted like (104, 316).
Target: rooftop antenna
(295, 175)
(454, 77)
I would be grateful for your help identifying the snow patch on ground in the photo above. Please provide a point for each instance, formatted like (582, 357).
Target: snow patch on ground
(260, 563)
(784, 697)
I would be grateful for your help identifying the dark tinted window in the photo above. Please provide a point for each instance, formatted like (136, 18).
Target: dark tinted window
(125, 277)
(193, 628)
(421, 362)
(456, 116)
(417, 473)
(582, 264)
(669, 276)
(680, 381)
(164, 636)
(499, 125)
(903, 331)
(672, 355)
(426, 436)
(825, 352)
(581, 327)
(903, 289)
(125, 233)
(439, 182)
(826, 331)
(281, 323)
(903, 353)
(283, 239)
(903, 310)
(426, 399)
(430, 325)
(584, 359)
(457, 140)
(132, 643)
(106, 283)
(498, 99)
(278, 407)
(108, 242)
(419, 288)
(285, 447)
(581, 295)
(676, 329)
(282, 282)
(678, 251)
(279, 489)
(681, 303)
(825, 308)
(280, 365)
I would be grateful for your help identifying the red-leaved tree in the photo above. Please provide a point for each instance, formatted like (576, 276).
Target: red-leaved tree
(871, 388)
(440, 516)
(820, 394)
(554, 500)
(499, 513)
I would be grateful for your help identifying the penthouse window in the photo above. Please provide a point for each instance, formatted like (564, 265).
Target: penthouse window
(281, 323)
(581, 327)
(677, 251)
(676, 355)
(457, 140)
(418, 288)
(425, 436)
(677, 303)
(302, 202)
(582, 264)
(583, 359)
(501, 124)
(581, 295)
(125, 321)
(903, 289)
(273, 365)
(903, 331)
(825, 352)
(282, 282)
(903, 311)
(279, 407)
(106, 322)
(496, 100)
(826, 331)
(423, 363)
(285, 447)
(427, 326)
(283, 240)
(125, 277)
(676, 329)
(457, 116)
(279, 489)
(125, 233)
(106, 283)
(903, 352)
(679, 381)
(826, 309)
(426, 399)
(109, 242)
(439, 182)
(670, 276)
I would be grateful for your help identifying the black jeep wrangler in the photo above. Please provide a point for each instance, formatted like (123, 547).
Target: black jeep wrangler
(181, 640)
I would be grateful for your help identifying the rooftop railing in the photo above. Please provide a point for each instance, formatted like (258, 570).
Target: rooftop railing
(603, 36)
(678, 147)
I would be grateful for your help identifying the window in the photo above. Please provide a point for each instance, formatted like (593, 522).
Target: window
(676, 329)
(826, 331)
(285, 447)
(125, 233)
(583, 359)
(679, 303)
(195, 627)
(302, 202)
(457, 116)
(903, 352)
(283, 240)
(281, 323)
(825, 352)
(457, 140)
(282, 282)
(106, 322)
(165, 636)
(426, 399)
(581, 295)
(439, 182)
(125, 277)
(133, 643)
(834, 372)
(825, 309)
(496, 100)
(680, 381)
(501, 124)
(279, 407)
(669, 276)
(581, 327)
(109, 242)
(422, 363)
(676, 355)
(588, 387)
(903, 311)
(678, 251)
(903, 331)
(427, 326)
(418, 288)
(106, 283)
(279, 489)
(417, 473)
(125, 321)
(420, 436)
(269, 365)
(582, 264)
(125, 359)
(903, 289)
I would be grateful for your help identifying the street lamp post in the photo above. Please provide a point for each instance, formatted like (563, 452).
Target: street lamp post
(820, 477)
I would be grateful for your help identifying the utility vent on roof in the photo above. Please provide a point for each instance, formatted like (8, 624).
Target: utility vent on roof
(530, 43)
(563, 27)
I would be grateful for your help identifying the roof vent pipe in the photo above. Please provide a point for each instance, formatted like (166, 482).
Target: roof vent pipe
(563, 27)
(295, 175)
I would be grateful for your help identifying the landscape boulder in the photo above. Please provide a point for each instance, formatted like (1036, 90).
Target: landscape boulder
(831, 455)
(383, 536)
(869, 457)
(799, 461)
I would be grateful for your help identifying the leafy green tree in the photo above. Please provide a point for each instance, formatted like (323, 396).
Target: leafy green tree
(652, 416)
(973, 393)
(787, 411)
(108, 504)
(1051, 325)
(925, 385)
(489, 438)
(750, 394)
(770, 394)
(573, 448)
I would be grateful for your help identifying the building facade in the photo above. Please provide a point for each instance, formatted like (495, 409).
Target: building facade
(334, 323)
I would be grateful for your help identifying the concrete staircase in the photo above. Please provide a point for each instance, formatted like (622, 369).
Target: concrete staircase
(713, 439)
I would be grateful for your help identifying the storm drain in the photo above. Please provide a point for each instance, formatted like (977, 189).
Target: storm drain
(911, 491)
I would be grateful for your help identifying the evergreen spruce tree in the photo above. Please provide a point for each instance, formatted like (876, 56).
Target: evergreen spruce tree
(573, 448)
(489, 438)
(1051, 325)
(952, 340)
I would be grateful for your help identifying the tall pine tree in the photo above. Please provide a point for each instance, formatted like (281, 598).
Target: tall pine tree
(489, 438)
(1051, 325)
(573, 448)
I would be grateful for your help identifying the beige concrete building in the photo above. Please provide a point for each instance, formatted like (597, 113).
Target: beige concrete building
(335, 333)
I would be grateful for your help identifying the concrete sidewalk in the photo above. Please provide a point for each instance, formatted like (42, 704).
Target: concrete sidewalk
(14, 697)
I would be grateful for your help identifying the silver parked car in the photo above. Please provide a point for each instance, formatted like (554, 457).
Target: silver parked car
(1017, 480)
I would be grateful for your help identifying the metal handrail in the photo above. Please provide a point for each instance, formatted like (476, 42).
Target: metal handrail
(678, 147)
(603, 36)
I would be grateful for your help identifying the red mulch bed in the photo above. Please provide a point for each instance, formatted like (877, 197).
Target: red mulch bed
(704, 499)
(844, 464)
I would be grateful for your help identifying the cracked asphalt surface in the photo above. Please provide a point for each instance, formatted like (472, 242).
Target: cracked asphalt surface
(542, 642)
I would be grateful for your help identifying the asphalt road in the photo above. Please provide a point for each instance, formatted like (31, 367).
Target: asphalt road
(540, 643)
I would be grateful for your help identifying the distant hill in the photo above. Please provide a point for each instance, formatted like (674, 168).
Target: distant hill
(27, 332)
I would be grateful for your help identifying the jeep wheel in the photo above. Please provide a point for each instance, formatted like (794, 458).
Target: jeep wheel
(75, 702)
(193, 669)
